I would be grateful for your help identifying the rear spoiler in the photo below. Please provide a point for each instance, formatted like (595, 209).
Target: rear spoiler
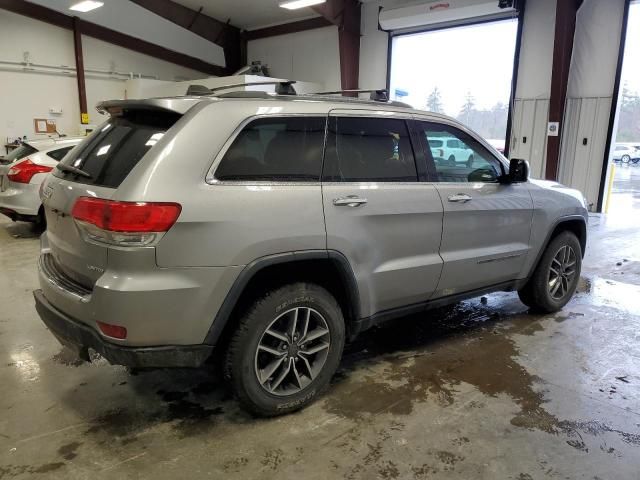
(178, 105)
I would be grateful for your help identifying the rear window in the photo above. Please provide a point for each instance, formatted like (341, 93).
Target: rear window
(59, 154)
(435, 143)
(22, 151)
(112, 152)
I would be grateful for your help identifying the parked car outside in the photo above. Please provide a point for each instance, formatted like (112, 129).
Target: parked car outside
(22, 172)
(450, 151)
(283, 232)
(624, 153)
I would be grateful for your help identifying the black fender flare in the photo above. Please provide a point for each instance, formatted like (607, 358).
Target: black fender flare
(334, 257)
(547, 240)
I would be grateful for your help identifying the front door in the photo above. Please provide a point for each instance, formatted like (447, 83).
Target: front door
(377, 213)
(486, 225)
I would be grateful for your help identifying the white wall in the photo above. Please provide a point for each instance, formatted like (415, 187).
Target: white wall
(311, 56)
(25, 96)
(373, 48)
(127, 17)
(590, 94)
(531, 110)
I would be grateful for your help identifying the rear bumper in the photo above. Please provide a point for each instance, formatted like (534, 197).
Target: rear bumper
(80, 338)
(20, 200)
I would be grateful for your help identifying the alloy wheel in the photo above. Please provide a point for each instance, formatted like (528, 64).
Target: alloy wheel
(562, 272)
(292, 351)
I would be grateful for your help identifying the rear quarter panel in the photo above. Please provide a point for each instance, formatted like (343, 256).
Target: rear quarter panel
(225, 223)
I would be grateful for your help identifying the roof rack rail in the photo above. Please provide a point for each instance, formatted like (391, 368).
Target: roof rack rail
(377, 95)
(282, 88)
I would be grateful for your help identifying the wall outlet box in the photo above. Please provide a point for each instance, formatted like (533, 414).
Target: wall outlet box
(55, 110)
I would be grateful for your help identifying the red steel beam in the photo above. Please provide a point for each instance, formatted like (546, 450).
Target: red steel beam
(82, 89)
(566, 11)
(286, 28)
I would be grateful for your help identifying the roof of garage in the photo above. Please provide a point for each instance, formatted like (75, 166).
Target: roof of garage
(248, 14)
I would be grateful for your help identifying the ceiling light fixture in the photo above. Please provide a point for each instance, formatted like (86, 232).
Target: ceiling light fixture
(86, 6)
(295, 4)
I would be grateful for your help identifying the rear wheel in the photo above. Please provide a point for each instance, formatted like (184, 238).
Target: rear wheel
(625, 158)
(452, 160)
(556, 277)
(40, 223)
(286, 349)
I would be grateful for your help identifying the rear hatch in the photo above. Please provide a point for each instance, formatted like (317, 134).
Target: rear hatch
(96, 168)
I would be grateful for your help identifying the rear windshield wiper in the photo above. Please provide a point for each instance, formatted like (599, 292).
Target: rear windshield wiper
(70, 169)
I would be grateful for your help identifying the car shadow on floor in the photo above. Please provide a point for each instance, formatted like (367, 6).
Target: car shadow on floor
(194, 401)
(21, 230)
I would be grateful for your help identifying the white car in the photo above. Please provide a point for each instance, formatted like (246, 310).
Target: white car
(624, 153)
(450, 151)
(23, 170)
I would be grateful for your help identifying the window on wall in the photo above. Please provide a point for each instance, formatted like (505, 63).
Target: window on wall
(368, 150)
(463, 72)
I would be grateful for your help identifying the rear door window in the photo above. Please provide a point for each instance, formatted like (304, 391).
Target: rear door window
(112, 152)
(363, 149)
(276, 149)
(59, 154)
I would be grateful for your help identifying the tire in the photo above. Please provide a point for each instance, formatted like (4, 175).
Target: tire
(309, 374)
(625, 158)
(538, 293)
(452, 160)
(40, 223)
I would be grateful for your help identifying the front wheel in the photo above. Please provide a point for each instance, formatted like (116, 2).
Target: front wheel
(625, 158)
(286, 349)
(555, 279)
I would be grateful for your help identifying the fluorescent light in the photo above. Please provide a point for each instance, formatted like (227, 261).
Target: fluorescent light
(86, 6)
(295, 4)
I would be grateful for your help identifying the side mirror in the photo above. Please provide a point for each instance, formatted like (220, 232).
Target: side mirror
(518, 171)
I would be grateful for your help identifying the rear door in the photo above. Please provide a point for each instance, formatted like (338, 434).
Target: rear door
(377, 212)
(486, 225)
(107, 157)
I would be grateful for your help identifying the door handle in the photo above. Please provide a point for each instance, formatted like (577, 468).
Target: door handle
(460, 198)
(349, 201)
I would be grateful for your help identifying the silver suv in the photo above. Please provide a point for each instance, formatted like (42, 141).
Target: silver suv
(273, 228)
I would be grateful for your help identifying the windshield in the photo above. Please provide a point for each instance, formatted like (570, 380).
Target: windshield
(17, 153)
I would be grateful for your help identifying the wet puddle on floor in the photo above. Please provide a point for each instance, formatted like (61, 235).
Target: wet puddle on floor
(428, 358)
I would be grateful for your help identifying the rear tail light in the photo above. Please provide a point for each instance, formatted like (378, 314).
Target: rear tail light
(25, 170)
(113, 331)
(124, 223)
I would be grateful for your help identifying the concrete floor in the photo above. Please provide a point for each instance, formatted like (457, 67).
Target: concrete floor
(483, 390)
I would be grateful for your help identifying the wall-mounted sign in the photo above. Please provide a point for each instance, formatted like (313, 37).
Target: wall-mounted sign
(552, 129)
(44, 125)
